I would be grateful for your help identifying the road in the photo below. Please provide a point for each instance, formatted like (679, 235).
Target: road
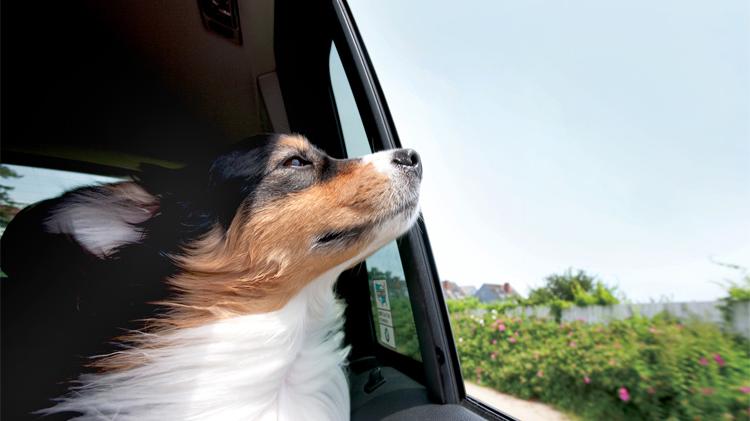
(519, 408)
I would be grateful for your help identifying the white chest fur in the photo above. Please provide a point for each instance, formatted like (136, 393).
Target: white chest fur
(284, 365)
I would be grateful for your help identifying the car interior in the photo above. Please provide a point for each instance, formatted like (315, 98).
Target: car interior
(106, 87)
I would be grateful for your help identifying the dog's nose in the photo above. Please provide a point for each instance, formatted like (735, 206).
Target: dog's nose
(408, 158)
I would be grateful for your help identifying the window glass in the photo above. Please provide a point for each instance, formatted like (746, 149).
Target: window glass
(355, 137)
(21, 186)
(586, 191)
(391, 309)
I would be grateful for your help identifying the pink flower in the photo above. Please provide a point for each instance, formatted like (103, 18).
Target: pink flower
(745, 389)
(512, 339)
(493, 355)
(707, 391)
(586, 379)
(494, 342)
(572, 344)
(501, 327)
(540, 373)
(623, 394)
(703, 361)
(719, 360)
(653, 330)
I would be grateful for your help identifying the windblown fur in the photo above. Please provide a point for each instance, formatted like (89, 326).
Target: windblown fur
(283, 365)
(252, 329)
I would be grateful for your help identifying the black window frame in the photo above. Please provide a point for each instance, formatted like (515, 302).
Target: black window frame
(440, 362)
(443, 377)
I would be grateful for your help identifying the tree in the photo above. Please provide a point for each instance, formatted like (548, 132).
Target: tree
(576, 288)
(738, 291)
(8, 208)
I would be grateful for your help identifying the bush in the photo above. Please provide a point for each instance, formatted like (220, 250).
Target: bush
(653, 369)
(577, 287)
(737, 291)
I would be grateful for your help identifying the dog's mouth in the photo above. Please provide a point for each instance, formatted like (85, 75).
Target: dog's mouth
(340, 237)
(343, 237)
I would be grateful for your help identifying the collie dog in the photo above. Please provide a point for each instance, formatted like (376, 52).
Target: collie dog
(252, 328)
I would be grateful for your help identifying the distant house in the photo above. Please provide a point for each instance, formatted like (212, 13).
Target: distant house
(451, 290)
(489, 293)
(469, 290)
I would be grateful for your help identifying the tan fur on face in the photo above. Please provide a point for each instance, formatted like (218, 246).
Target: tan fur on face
(268, 253)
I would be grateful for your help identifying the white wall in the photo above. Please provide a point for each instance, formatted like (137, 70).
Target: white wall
(707, 311)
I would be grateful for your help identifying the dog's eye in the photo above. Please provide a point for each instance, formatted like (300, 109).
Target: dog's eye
(296, 161)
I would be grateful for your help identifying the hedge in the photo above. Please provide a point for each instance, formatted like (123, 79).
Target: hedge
(639, 368)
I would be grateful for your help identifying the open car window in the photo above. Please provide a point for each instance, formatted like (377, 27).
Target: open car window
(391, 310)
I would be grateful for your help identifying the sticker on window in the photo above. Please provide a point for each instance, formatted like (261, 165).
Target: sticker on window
(381, 295)
(387, 336)
(385, 318)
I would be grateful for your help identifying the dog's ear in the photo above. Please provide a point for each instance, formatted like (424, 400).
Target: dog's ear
(105, 217)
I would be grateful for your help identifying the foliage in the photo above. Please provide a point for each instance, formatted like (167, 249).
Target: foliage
(405, 331)
(473, 303)
(7, 206)
(737, 291)
(639, 368)
(573, 287)
(559, 293)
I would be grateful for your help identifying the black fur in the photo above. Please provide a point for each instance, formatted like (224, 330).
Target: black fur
(61, 304)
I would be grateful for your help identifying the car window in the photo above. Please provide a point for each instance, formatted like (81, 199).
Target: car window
(389, 298)
(587, 191)
(21, 186)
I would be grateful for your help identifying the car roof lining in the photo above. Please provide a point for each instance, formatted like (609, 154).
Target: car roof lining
(150, 83)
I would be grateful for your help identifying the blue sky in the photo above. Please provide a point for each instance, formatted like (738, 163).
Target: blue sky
(611, 137)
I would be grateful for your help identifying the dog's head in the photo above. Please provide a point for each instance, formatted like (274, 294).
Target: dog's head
(256, 224)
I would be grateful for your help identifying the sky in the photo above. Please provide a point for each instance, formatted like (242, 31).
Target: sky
(612, 137)
(35, 184)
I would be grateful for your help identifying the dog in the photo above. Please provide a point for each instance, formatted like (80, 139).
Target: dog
(256, 237)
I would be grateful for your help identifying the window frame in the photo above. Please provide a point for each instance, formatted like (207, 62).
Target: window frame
(388, 356)
(439, 356)
(442, 368)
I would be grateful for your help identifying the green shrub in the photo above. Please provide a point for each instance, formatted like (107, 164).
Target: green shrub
(576, 287)
(737, 291)
(651, 369)
(560, 291)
